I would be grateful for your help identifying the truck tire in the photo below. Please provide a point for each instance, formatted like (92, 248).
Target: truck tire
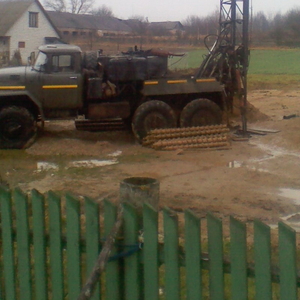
(18, 128)
(200, 112)
(150, 115)
(90, 60)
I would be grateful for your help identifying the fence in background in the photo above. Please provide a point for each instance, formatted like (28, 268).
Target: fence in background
(49, 245)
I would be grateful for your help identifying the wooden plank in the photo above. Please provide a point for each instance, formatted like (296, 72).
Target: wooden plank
(92, 239)
(7, 245)
(150, 252)
(113, 280)
(171, 250)
(23, 250)
(55, 249)
(262, 261)
(287, 262)
(132, 276)
(238, 258)
(73, 249)
(215, 252)
(39, 242)
(193, 256)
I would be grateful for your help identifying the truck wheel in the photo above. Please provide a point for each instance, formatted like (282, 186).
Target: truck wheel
(17, 128)
(150, 115)
(90, 60)
(200, 112)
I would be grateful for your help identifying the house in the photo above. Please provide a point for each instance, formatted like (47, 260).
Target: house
(79, 25)
(170, 27)
(24, 26)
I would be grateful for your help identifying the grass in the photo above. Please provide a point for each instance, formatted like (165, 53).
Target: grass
(268, 68)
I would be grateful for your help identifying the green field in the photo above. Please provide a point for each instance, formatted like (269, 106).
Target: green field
(268, 68)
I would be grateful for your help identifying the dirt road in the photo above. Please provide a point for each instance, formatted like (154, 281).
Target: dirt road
(258, 178)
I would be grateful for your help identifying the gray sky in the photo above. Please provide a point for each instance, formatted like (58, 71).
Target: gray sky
(178, 10)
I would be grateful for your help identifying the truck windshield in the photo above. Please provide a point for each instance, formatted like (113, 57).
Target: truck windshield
(40, 62)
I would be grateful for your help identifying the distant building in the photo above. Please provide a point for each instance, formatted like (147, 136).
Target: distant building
(171, 27)
(76, 25)
(24, 26)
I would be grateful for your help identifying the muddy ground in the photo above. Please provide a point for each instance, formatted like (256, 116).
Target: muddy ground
(259, 178)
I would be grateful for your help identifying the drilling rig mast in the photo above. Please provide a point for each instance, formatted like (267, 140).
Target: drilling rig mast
(227, 59)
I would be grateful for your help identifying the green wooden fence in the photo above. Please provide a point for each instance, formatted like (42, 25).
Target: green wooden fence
(50, 244)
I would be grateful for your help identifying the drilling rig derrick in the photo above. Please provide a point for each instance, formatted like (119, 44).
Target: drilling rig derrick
(227, 59)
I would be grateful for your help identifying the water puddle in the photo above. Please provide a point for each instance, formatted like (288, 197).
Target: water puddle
(235, 164)
(115, 154)
(293, 194)
(238, 164)
(91, 163)
(46, 166)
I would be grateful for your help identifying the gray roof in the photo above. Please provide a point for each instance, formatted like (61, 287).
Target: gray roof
(168, 25)
(77, 21)
(10, 12)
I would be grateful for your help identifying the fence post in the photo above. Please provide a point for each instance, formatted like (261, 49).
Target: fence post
(39, 242)
(171, 255)
(23, 250)
(55, 248)
(238, 259)
(287, 262)
(7, 244)
(73, 249)
(150, 251)
(193, 256)
(215, 252)
(262, 261)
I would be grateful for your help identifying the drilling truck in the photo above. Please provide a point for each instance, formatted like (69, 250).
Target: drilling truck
(112, 92)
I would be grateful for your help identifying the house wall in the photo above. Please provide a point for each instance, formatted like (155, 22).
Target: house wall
(32, 37)
(4, 51)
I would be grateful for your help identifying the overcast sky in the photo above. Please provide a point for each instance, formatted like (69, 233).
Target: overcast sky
(179, 10)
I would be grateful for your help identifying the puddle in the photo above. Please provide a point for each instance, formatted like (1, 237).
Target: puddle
(91, 163)
(293, 194)
(273, 151)
(115, 154)
(239, 164)
(46, 166)
(235, 164)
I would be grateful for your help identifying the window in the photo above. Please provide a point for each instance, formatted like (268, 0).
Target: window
(21, 45)
(33, 19)
(62, 63)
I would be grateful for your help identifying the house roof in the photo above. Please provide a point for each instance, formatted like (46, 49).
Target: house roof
(168, 25)
(79, 21)
(10, 12)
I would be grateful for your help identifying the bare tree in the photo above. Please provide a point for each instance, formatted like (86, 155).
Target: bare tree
(72, 6)
(103, 11)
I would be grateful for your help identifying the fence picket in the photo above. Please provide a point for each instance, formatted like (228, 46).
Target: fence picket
(73, 249)
(132, 276)
(287, 262)
(39, 242)
(113, 274)
(215, 251)
(262, 261)
(171, 259)
(92, 239)
(150, 252)
(55, 248)
(8, 272)
(23, 250)
(193, 256)
(238, 259)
